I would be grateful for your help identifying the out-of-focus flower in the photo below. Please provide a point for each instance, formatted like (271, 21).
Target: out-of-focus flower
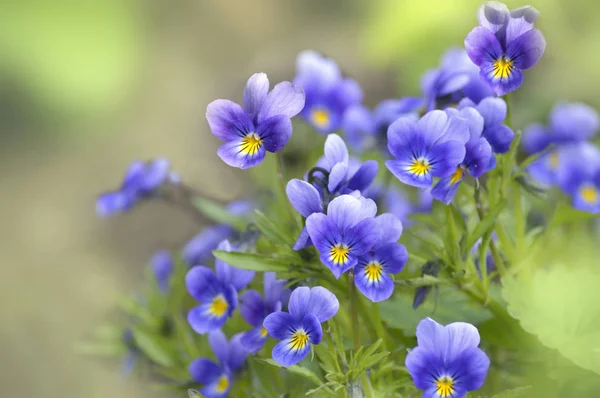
(456, 78)
(328, 93)
(346, 232)
(141, 181)
(504, 44)
(132, 352)
(447, 361)
(217, 378)
(301, 326)
(371, 274)
(263, 124)
(254, 309)
(162, 268)
(364, 129)
(579, 176)
(430, 147)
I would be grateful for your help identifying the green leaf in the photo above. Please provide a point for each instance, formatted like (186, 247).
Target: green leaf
(195, 394)
(452, 306)
(371, 361)
(219, 213)
(425, 280)
(270, 230)
(154, 346)
(486, 224)
(512, 393)
(566, 214)
(296, 369)
(250, 261)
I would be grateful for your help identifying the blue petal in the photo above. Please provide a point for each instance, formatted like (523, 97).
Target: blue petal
(536, 138)
(303, 240)
(275, 132)
(322, 304)
(232, 154)
(323, 231)
(376, 290)
(227, 120)
(520, 22)
(205, 371)
(432, 126)
(285, 99)
(364, 176)
(431, 336)
(501, 86)
(201, 283)
(202, 321)
(298, 301)
(254, 340)
(155, 174)
(219, 345)
(445, 157)
(482, 46)
(363, 237)
(574, 121)
(112, 203)
(493, 110)
(390, 227)
(279, 324)
(337, 175)
(392, 256)
(499, 137)
(471, 368)
(387, 111)
(230, 275)
(445, 190)
(335, 150)
(346, 94)
(252, 307)
(477, 157)
(237, 353)
(359, 127)
(337, 268)
(400, 169)
(304, 197)
(344, 210)
(493, 16)
(404, 138)
(275, 291)
(255, 93)
(285, 355)
(312, 326)
(423, 365)
(199, 249)
(527, 49)
(315, 73)
(162, 268)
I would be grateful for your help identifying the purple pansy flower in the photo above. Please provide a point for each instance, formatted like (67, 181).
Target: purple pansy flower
(455, 79)
(579, 176)
(386, 257)
(505, 44)
(301, 326)
(217, 378)
(569, 123)
(140, 181)
(495, 132)
(263, 124)
(216, 292)
(364, 129)
(328, 93)
(447, 361)
(199, 249)
(478, 154)
(162, 268)
(335, 173)
(430, 147)
(346, 232)
(255, 309)
(132, 353)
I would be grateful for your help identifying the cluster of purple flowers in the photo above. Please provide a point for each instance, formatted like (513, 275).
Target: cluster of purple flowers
(567, 158)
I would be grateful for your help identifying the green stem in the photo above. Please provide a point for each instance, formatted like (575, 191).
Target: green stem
(366, 386)
(281, 179)
(378, 323)
(493, 249)
(354, 313)
(508, 120)
(519, 220)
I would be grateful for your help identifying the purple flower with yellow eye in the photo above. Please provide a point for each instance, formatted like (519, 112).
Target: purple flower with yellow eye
(328, 93)
(364, 129)
(162, 268)
(447, 361)
(371, 274)
(345, 233)
(455, 79)
(263, 124)
(301, 326)
(478, 154)
(505, 44)
(254, 309)
(141, 180)
(217, 378)
(570, 123)
(493, 111)
(430, 147)
(579, 176)
(216, 292)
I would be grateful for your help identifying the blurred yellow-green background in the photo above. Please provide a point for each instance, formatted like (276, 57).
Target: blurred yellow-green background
(88, 86)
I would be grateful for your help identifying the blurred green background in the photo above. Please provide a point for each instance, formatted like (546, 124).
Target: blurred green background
(86, 87)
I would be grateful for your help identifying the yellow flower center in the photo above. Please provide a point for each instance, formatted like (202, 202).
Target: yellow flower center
(503, 68)
(373, 271)
(299, 340)
(263, 332)
(445, 386)
(589, 194)
(419, 167)
(218, 306)
(250, 144)
(339, 253)
(554, 160)
(457, 175)
(320, 117)
(222, 384)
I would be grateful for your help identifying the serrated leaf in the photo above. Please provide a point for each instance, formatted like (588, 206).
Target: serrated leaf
(486, 224)
(373, 360)
(296, 369)
(270, 230)
(452, 306)
(512, 393)
(154, 346)
(251, 261)
(219, 213)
